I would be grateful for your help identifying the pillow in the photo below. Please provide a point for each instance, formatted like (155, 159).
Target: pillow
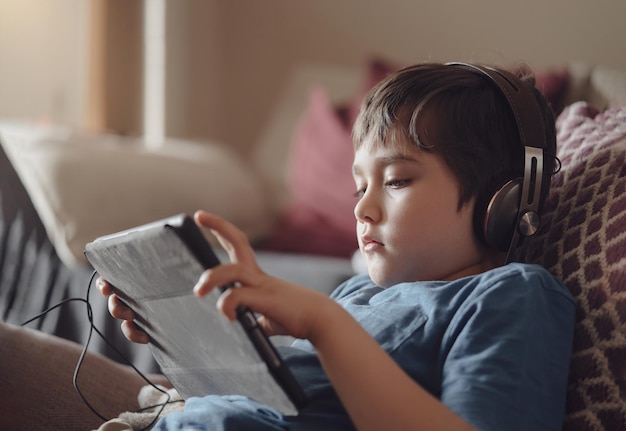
(84, 186)
(586, 248)
(553, 84)
(320, 216)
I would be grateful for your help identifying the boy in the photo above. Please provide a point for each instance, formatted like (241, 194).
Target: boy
(439, 334)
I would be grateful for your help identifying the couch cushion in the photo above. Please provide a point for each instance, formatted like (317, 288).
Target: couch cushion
(271, 154)
(319, 219)
(86, 185)
(586, 247)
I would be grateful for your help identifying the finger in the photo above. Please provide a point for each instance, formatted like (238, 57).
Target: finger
(230, 237)
(273, 320)
(103, 286)
(119, 310)
(271, 328)
(259, 300)
(227, 305)
(225, 275)
(133, 333)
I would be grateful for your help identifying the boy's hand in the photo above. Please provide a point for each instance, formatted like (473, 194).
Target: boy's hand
(286, 308)
(119, 310)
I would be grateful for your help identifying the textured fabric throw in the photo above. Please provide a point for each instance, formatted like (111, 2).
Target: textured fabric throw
(584, 244)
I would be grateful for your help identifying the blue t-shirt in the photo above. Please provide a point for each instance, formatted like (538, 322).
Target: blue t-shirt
(493, 347)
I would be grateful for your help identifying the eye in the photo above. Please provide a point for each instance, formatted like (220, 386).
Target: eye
(359, 193)
(397, 184)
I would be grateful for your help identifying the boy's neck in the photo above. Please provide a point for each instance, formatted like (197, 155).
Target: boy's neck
(489, 261)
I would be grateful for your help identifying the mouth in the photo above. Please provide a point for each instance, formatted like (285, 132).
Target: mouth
(369, 244)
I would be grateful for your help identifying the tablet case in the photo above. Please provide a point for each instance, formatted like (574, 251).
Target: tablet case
(153, 269)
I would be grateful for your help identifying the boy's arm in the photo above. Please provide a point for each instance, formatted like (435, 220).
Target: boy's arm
(376, 392)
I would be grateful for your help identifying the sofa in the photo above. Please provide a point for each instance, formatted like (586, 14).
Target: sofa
(62, 187)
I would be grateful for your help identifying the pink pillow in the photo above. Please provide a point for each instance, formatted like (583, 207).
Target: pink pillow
(320, 218)
(553, 84)
(586, 248)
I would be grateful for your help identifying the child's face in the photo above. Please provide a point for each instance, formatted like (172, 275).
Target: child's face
(409, 226)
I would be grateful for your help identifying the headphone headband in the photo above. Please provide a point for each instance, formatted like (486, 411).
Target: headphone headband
(523, 103)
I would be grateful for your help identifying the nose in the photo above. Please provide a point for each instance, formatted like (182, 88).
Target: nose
(367, 209)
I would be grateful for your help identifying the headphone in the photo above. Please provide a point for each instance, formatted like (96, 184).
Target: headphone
(512, 212)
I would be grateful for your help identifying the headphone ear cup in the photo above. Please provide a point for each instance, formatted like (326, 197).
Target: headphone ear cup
(501, 216)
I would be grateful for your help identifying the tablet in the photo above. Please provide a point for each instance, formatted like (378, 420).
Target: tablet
(153, 269)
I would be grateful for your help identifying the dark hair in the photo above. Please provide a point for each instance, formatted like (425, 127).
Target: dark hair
(458, 114)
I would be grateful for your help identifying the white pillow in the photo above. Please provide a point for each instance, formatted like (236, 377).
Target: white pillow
(84, 185)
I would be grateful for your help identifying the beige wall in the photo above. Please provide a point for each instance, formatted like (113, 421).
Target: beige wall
(43, 48)
(258, 42)
(227, 60)
(195, 87)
